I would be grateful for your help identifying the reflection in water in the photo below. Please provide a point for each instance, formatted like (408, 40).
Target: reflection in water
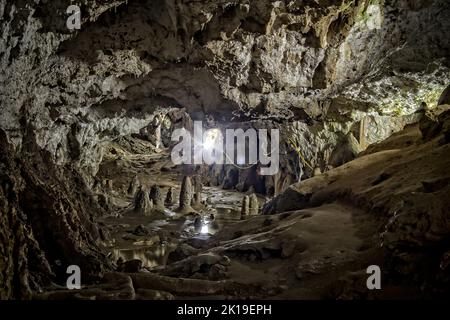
(155, 254)
(152, 256)
(227, 213)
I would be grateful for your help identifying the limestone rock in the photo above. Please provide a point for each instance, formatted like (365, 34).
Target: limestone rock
(107, 184)
(198, 186)
(435, 122)
(245, 208)
(130, 266)
(133, 186)
(148, 294)
(142, 202)
(156, 197)
(186, 195)
(181, 252)
(346, 151)
(154, 132)
(198, 223)
(169, 197)
(141, 230)
(253, 205)
(103, 201)
(445, 97)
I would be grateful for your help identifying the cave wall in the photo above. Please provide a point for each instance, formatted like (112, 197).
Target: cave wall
(47, 217)
(293, 60)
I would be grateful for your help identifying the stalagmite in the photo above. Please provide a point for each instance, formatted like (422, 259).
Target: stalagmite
(103, 201)
(213, 225)
(169, 197)
(317, 171)
(142, 202)
(107, 184)
(154, 132)
(245, 209)
(186, 195)
(254, 204)
(134, 185)
(198, 223)
(197, 199)
(158, 133)
(156, 197)
(362, 133)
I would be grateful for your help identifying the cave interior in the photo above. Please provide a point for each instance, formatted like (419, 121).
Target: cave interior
(339, 163)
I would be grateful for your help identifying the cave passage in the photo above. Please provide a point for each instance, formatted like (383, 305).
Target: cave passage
(217, 150)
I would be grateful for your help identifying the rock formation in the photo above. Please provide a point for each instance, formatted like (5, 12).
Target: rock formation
(108, 185)
(142, 203)
(445, 97)
(156, 197)
(133, 186)
(154, 132)
(43, 219)
(103, 201)
(198, 186)
(198, 223)
(253, 204)
(245, 208)
(169, 197)
(186, 195)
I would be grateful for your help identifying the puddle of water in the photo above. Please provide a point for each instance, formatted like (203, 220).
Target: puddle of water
(151, 256)
(227, 213)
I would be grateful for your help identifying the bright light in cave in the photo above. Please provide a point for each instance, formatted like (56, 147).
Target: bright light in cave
(210, 138)
(205, 229)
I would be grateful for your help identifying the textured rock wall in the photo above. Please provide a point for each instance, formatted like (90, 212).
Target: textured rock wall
(246, 59)
(47, 221)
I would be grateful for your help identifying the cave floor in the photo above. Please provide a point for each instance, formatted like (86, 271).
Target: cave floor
(297, 255)
(165, 230)
(321, 250)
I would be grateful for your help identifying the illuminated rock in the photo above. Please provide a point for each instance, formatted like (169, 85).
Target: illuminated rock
(253, 204)
(245, 209)
(186, 195)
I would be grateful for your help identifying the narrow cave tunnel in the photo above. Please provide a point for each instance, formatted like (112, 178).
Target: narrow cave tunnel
(252, 149)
